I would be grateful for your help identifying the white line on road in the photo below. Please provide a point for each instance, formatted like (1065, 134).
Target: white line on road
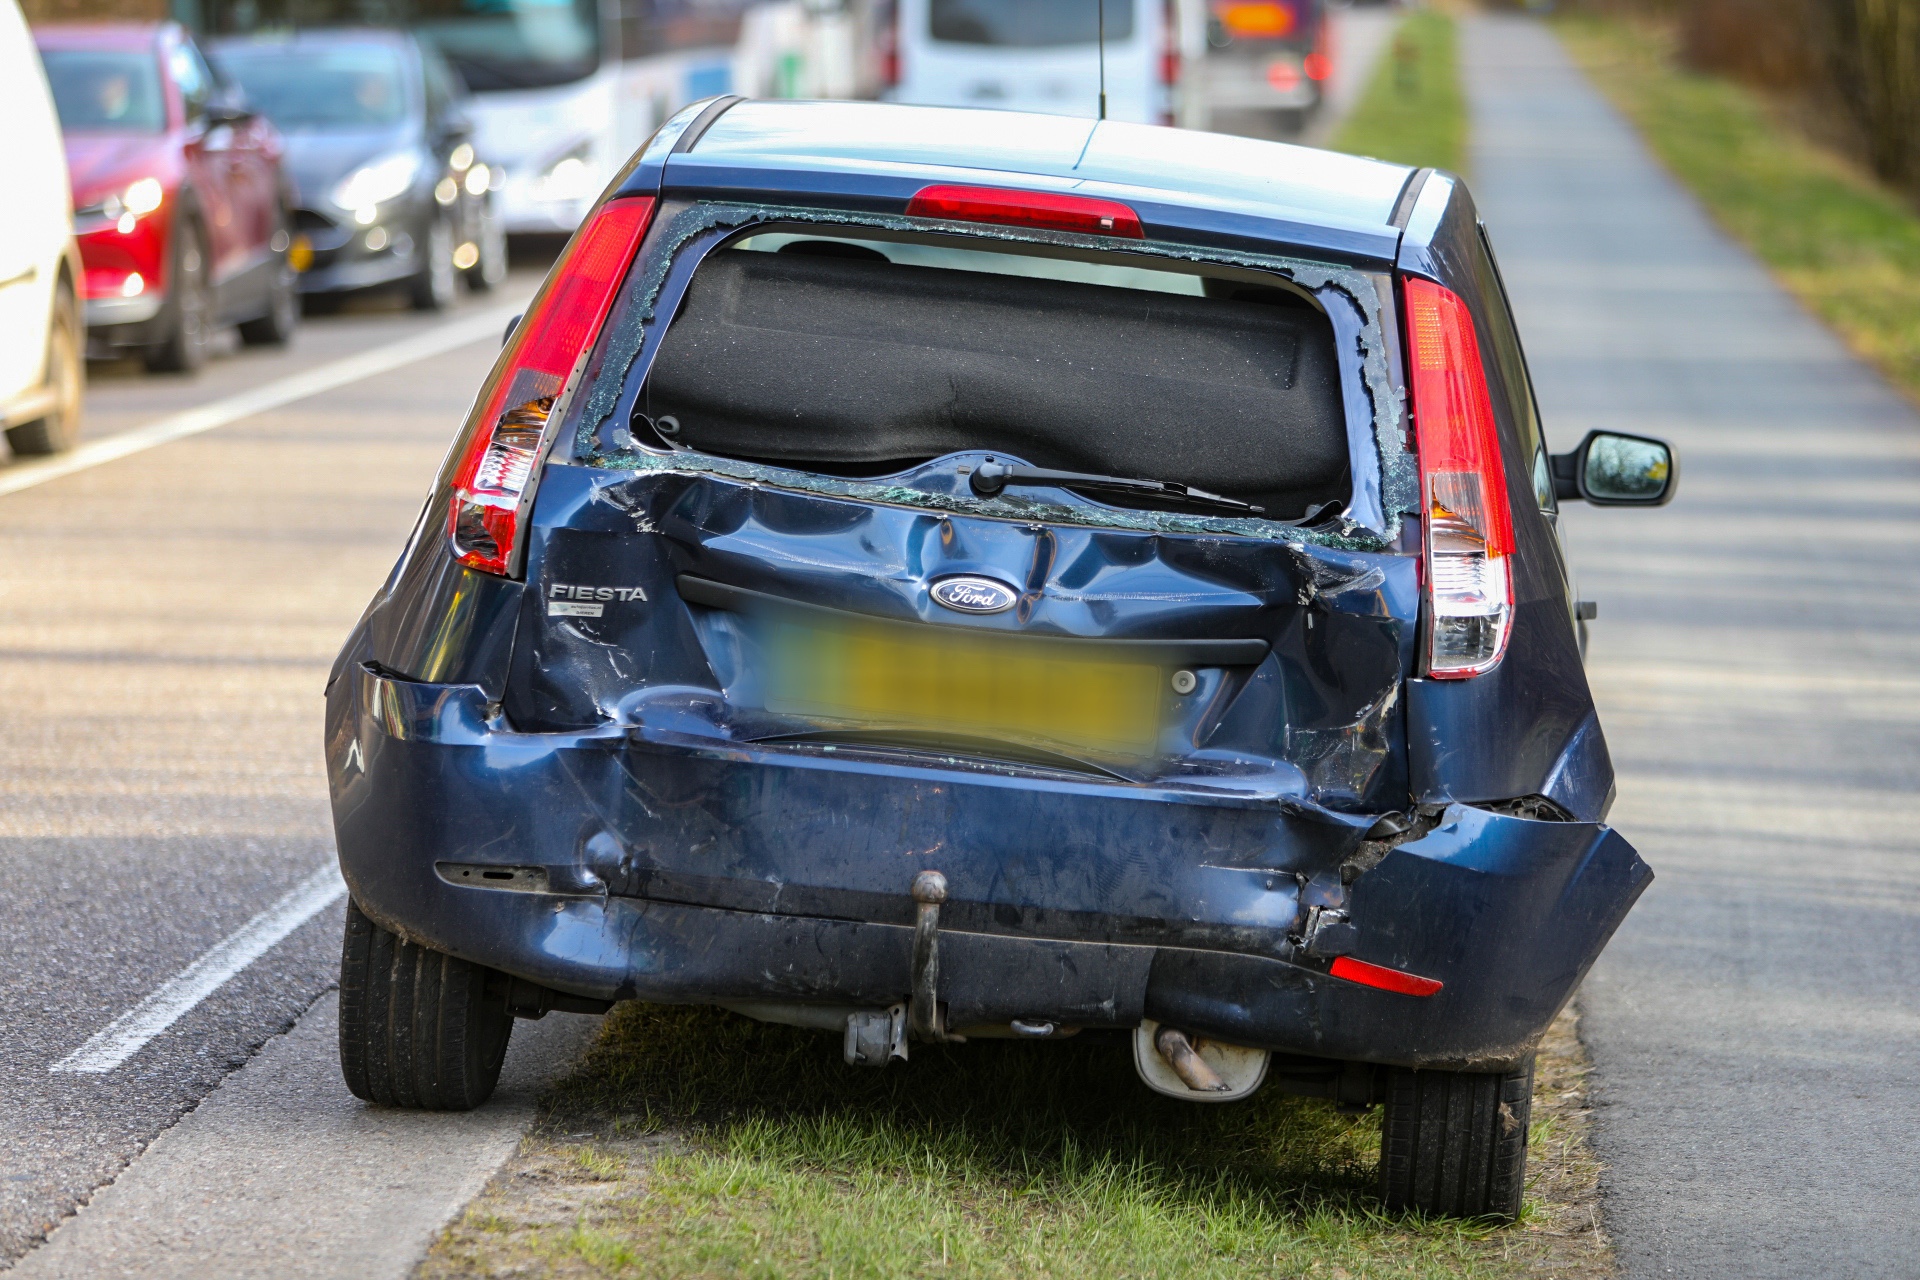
(126, 1034)
(272, 395)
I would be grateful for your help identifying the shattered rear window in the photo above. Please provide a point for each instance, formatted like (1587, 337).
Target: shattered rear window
(846, 355)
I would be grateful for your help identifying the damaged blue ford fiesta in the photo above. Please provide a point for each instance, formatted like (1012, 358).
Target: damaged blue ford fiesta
(934, 574)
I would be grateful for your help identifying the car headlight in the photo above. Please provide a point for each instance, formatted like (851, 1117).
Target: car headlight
(143, 197)
(139, 199)
(377, 182)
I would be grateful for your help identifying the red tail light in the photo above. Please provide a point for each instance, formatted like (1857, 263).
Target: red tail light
(1319, 64)
(1377, 975)
(502, 439)
(1170, 46)
(890, 47)
(1469, 577)
(1027, 209)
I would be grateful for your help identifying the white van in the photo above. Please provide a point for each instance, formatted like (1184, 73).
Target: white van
(42, 333)
(1037, 55)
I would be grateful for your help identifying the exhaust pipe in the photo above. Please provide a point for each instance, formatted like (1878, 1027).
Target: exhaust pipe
(1173, 1045)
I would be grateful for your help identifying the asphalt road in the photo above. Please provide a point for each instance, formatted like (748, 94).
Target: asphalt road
(166, 621)
(1755, 1025)
(166, 624)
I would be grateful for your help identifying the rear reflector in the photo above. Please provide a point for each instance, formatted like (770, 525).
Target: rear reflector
(502, 439)
(1469, 530)
(1374, 975)
(1027, 209)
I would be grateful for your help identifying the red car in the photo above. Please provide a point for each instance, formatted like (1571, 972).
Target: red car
(179, 202)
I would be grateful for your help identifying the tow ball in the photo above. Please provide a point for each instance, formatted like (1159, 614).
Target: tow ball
(923, 1011)
(876, 1037)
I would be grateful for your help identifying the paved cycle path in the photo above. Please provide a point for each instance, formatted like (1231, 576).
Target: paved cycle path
(1755, 1025)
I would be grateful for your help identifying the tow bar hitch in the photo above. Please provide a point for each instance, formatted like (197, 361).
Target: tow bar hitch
(923, 1013)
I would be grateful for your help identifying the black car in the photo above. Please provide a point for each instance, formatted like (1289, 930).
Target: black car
(379, 146)
(933, 575)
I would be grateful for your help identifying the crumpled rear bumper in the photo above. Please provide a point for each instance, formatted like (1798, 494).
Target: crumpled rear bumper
(1079, 903)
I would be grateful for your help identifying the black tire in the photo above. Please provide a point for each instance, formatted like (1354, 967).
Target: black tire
(418, 1028)
(434, 288)
(1454, 1143)
(66, 373)
(275, 328)
(189, 308)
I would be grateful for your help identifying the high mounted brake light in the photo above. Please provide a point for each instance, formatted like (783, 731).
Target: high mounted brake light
(1463, 484)
(502, 439)
(1046, 209)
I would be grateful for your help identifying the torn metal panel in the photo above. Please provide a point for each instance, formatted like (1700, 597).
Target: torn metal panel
(687, 870)
(1313, 716)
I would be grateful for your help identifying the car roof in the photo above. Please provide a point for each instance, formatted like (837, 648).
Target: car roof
(1212, 187)
(100, 35)
(309, 37)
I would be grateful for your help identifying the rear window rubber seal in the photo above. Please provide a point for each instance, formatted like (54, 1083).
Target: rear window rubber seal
(703, 122)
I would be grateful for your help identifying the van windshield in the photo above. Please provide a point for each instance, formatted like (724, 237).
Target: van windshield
(1025, 24)
(493, 44)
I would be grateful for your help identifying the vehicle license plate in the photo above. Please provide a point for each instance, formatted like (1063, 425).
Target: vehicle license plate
(1053, 693)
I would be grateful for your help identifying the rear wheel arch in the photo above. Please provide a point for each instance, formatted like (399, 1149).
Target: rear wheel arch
(63, 368)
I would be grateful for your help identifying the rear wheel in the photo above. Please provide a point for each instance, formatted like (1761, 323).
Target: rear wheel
(189, 308)
(491, 269)
(275, 328)
(418, 1028)
(433, 289)
(65, 377)
(1454, 1143)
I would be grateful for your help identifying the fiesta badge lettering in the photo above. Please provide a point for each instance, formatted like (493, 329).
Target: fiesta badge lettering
(971, 594)
(569, 600)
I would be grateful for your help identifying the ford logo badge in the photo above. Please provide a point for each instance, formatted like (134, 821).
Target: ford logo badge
(970, 594)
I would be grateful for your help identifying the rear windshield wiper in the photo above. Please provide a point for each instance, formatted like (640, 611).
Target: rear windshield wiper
(990, 478)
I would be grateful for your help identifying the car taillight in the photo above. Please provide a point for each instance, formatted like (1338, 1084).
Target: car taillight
(1319, 64)
(890, 47)
(1463, 483)
(1027, 209)
(503, 436)
(1170, 46)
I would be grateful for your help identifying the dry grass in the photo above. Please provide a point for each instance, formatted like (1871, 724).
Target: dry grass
(763, 1156)
(1413, 111)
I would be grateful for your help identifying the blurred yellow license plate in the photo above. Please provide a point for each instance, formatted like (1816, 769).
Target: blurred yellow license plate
(937, 680)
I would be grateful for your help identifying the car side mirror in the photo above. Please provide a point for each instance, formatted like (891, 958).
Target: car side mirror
(219, 113)
(1612, 469)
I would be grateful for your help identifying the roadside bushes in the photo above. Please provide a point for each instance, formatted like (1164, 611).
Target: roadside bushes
(1852, 66)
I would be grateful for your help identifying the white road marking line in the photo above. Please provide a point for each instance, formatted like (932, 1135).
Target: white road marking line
(272, 395)
(128, 1033)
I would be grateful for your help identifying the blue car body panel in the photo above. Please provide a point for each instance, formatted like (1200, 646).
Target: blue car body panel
(672, 836)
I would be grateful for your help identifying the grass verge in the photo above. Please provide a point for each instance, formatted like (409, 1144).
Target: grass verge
(695, 1143)
(1413, 112)
(1848, 247)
